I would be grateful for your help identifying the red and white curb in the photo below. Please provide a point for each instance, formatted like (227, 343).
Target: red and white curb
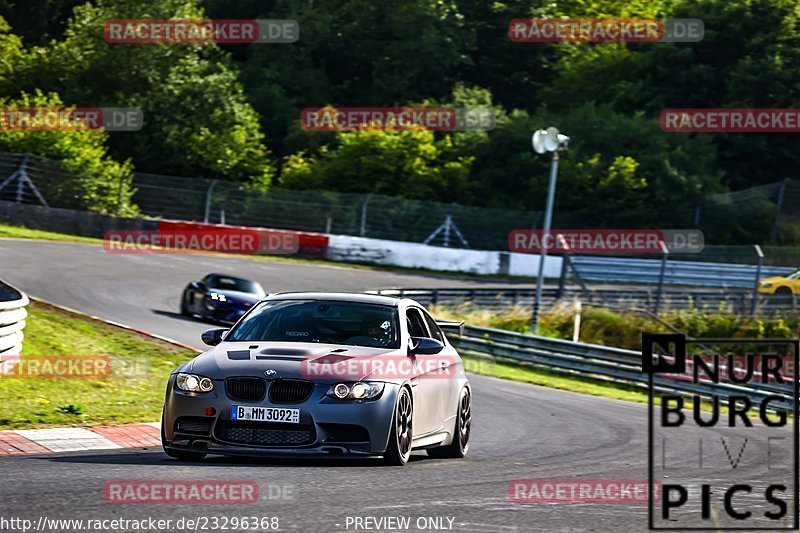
(26, 441)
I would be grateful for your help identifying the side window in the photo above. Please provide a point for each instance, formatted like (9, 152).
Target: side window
(416, 324)
(436, 333)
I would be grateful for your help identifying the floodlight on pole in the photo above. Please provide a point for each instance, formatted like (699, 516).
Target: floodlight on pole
(544, 141)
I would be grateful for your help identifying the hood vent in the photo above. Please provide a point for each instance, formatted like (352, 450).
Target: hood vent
(239, 355)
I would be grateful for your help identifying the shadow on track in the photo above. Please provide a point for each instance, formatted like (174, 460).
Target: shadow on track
(154, 457)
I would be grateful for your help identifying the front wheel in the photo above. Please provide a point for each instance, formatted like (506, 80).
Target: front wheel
(399, 449)
(460, 445)
(184, 307)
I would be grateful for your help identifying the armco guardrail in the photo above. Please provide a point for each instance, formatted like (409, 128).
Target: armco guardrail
(498, 298)
(12, 321)
(676, 272)
(591, 361)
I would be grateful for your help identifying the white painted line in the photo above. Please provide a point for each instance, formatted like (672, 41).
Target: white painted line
(68, 439)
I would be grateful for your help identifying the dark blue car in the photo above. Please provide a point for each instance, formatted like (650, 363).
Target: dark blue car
(220, 298)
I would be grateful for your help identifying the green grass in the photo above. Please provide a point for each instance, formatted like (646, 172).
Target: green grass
(133, 392)
(19, 232)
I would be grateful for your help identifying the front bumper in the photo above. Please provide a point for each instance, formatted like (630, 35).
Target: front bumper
(328, 427)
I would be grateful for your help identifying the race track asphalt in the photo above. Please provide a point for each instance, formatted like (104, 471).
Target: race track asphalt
(519, 431)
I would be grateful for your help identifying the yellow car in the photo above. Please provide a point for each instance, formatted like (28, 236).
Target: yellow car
(781, 285)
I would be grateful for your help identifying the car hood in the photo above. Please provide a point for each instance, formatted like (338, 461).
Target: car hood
(773, 279)
(288, 360)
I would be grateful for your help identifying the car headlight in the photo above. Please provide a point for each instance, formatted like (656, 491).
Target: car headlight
(766, 285)
(194, 383)
(363, 390)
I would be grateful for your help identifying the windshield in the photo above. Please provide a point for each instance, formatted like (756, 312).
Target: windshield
(332, 322)
(236, 284)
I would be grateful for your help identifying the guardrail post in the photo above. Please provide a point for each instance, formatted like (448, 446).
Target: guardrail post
(760, 263)
(661, 276)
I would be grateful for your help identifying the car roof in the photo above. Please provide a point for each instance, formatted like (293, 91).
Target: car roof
(337, 296)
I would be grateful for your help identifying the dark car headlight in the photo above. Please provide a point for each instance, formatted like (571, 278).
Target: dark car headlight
(193, 383)
(362, 390)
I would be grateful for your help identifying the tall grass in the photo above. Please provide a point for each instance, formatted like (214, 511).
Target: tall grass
(624, 330)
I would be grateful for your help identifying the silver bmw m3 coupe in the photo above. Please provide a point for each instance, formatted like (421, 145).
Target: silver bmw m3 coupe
(323, 374)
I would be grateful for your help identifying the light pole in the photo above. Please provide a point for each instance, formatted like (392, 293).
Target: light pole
(549, 140)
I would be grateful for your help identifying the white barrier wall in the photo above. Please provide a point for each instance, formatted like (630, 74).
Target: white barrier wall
(417, 255)
(528, 265)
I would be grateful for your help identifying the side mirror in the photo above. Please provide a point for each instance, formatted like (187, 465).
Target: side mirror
(425, 346)
(212, 337)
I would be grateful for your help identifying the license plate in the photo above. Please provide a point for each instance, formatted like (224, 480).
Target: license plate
(265, 414)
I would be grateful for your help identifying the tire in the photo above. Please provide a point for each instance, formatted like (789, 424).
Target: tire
(184, 309)
(179, 454)
(460, 445)
(398, 450)
(783, 292)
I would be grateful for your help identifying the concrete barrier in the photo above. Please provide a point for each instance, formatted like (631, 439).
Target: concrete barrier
(418, 255)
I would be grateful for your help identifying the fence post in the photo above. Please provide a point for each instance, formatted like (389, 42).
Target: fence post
(363, 231)
(760, 256)
(562, 280)
(661, 276)
(119, 194)
(208, 201)
(778, 207)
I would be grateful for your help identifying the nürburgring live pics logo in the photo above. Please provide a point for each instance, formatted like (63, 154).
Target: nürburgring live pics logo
(722, 432)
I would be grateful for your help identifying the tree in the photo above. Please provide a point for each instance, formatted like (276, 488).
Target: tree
(96, 182)
(408, 163)
(197, 118)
